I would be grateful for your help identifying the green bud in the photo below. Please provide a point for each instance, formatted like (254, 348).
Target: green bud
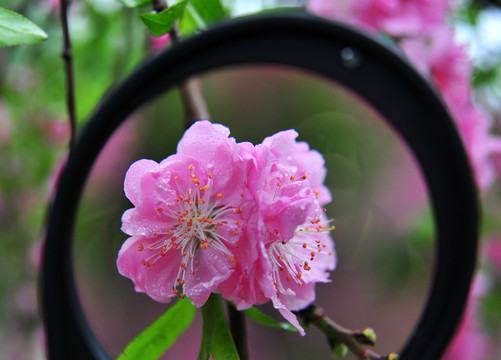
(392, 356)
(340, 350)
(370, 334)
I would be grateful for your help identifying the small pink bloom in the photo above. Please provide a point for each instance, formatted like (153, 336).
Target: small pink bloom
(159, 42)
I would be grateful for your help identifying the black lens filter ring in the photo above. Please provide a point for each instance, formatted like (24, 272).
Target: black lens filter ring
(331, 50)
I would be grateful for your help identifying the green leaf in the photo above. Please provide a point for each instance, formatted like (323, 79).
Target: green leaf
(187, 24)
(208, 12)
(162, 22)
(216, 338)
(134, 3)
(264, 319)
(15, 29)
(160, 335)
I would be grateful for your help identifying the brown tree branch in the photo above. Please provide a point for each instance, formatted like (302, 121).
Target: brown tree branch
(195, 107)
(355, 341)
(68, 64)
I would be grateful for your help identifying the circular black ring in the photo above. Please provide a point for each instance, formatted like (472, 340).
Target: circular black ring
(378, 75)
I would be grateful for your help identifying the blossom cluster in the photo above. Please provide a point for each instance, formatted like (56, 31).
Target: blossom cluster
(246, 221)
(422, 31)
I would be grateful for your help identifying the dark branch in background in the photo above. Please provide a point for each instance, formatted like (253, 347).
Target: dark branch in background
(356, 341)
(68, 65)
(192, 98)
(238, 330)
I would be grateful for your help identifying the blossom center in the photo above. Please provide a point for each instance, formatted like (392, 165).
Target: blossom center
(199, 220)
(290, 258)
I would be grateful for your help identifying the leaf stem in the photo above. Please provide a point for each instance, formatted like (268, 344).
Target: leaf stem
(68, 64)
(337, 334)
(195, 107)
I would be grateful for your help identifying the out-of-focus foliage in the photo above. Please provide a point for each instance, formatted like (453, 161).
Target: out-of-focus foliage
(15, 29)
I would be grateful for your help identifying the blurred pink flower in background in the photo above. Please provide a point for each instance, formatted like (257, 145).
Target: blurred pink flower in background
(421, 29)
(492, 250)
(5, 125)
(470, 342)
(158, 43)
(53, 5)
(57, 132)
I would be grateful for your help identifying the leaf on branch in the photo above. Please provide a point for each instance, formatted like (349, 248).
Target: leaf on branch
(159, 336)
(188, 25)
(216, 338)
(134, 3)
(162, 22)
(264, 319)
(15, 29)
(207, 12)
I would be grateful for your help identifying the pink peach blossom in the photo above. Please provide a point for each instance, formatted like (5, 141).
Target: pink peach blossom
(237, 219)
(290, 233)
(186, 218)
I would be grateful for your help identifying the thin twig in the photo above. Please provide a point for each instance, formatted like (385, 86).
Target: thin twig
(336, 334)
(68, 64)
(238, 331)
(195, 107)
